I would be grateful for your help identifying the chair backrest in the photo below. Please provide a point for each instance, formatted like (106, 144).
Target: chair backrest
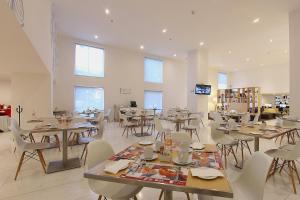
(195, 122)
(215, 133)
(181, 137)
(245, 118)
(100, 125)
(295, 153)
(288, 123)
(14, 126)
(232, 124)
(99, 151)
(256, 118)
(217, 117)
(253, 176)
(108, 112)
(158, 125)
(20, 143)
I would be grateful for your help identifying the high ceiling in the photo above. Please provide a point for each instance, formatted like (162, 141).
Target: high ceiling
(225, 26)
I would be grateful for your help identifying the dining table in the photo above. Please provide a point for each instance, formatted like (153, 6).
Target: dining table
(208, 157)
(141, 119)
(269, 132)
(63, 128)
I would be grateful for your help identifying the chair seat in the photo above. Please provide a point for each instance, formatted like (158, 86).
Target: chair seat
(243, 137)
(36, 146)
(288, 147)
(279, 153)
(114, 190)
(85, 140)
(227, 141)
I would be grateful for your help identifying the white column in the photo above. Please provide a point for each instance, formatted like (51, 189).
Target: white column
(197, 73)
(295, 62)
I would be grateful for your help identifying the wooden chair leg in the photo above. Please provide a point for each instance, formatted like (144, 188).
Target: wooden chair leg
(248, 147)
(296, 170)
(57, 141)
(161, 194)
(225, 156)
(282, 166)
(20, 165)
(269, 174)
(41, 159)
(84, 149)
(100, 197)
(86, 152)
(135, 198)
(188, 196)
(292, 176)
(197, 135)
(232, 151)
(124, 131)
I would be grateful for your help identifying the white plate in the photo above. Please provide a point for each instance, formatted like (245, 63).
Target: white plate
(155, 156)
(207, 177)
(176, 161)
(199, 148)
(145, 142)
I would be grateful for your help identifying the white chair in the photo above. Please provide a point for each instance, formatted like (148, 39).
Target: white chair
(245, 119)
(128, 125)
(161, 131)
(107, 115)
(100, 151)
(193, 127)
(288, 156)
(50, 136)
(250, 184)
(29, 151)
(226, 141)
(218, 118)
(256, 118)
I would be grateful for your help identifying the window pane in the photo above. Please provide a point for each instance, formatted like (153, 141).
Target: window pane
(222, 81)
(153, 70)
(153, 99)
(88, 98)
(89, 61)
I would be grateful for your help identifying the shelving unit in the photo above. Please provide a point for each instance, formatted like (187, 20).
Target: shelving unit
(249, 96)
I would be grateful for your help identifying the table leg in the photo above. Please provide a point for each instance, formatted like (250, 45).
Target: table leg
(168, 195)
(256, 143)
(177, 126)
(65, 147)
(65, 163)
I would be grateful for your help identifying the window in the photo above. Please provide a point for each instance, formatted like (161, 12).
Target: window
(153, 70)
(222, 81)
(89, 61)
(153, 99)
(88, 98)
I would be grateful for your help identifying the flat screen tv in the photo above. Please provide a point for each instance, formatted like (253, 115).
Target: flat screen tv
(203, 89)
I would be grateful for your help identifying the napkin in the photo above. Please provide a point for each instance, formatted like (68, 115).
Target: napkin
(206, 172)
(116, 166)
(198, 145)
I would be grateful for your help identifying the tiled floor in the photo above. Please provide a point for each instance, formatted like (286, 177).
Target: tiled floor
(33, 184)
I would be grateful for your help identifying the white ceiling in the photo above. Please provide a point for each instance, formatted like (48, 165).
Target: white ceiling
(224, 25)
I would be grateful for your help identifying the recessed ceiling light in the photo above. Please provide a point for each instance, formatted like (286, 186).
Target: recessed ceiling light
(285, 51)
(107, 11)
(142, 47)
(247, 59)
(256, 20)
(174, 55)
(201, 43)
(230, 52)
(96, 37)
(164, 30)
(262, 64)
(271, 40)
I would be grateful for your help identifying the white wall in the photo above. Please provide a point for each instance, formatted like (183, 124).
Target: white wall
(295, 61)
(123, 69)
(38, 28)
(269, 79)
(213, 81)
(5, 92)
(31, 91)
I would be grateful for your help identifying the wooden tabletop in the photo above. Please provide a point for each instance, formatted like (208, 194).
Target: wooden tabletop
(255, 131)
(216, 187)
(61, 127)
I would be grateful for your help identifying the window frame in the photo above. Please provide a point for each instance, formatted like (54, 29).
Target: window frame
(84, 86)
(162, 76)
(91, 46)
(162, 99)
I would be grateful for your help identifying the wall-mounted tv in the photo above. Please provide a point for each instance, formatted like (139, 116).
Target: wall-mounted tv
(203, 89)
